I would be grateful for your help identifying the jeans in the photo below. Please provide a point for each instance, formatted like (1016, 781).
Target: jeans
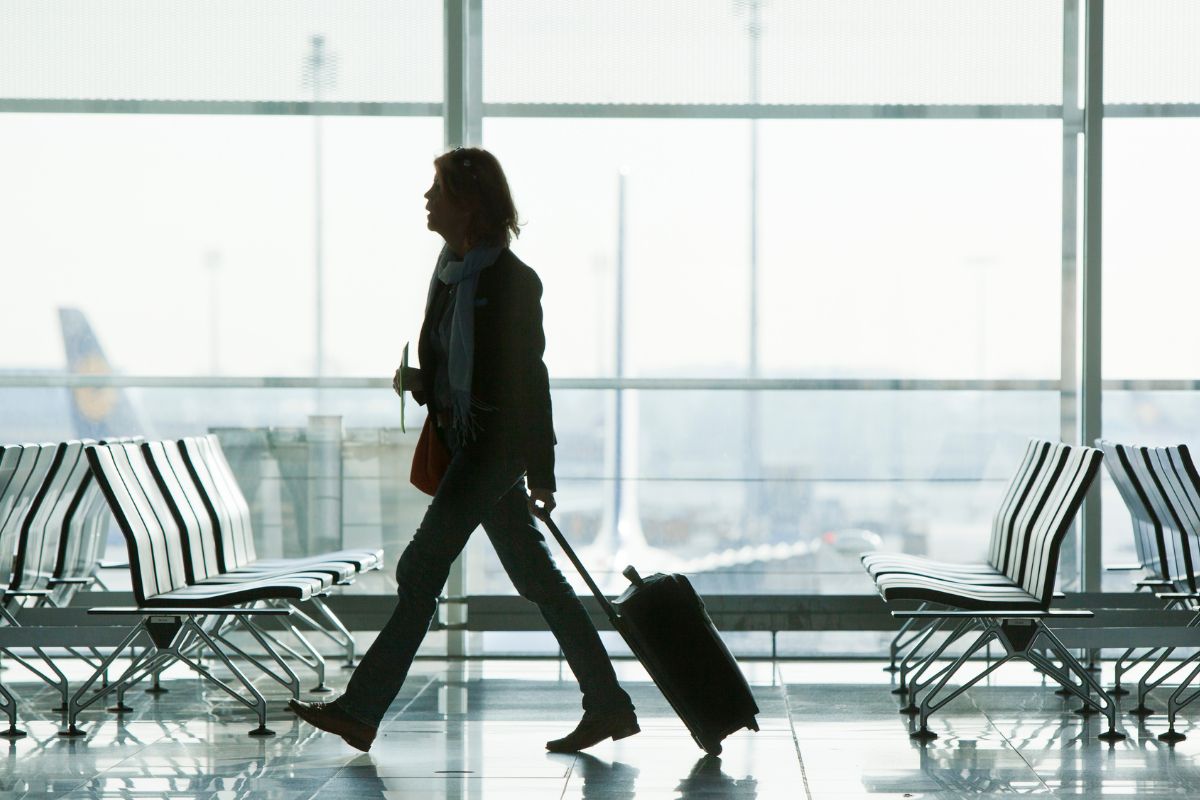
(484, 484)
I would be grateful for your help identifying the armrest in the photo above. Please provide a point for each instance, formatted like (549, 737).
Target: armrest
(1177, 595)
(1059, 595)
(1123, 568)
(168, 611)
(1059, 613)
(70, 582)
(112, 564)
(1152, 583)
(26, 592)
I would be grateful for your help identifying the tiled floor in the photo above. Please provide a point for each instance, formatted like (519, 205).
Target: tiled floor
(476, 730)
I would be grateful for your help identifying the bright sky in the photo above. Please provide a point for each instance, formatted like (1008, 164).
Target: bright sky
(887, 248)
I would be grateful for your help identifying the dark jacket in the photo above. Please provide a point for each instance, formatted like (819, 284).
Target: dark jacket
(509, 380)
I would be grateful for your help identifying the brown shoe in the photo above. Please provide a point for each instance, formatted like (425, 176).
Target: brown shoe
(595, 728)
(328, 717)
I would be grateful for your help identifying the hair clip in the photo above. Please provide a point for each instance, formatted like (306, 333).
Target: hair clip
(466, 162)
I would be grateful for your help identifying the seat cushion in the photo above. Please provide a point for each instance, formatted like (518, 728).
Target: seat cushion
(956, 594)
(237, 593)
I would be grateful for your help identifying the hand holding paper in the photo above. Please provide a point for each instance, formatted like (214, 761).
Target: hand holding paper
(398, 384)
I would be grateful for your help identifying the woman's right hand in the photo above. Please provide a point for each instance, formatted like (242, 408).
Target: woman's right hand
(409, 379)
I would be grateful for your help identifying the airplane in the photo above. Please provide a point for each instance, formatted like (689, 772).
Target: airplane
(47, 413)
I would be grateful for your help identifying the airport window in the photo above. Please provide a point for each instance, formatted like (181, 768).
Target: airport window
(848, 237)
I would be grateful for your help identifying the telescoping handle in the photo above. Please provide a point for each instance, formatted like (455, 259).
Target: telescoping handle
(544, 516)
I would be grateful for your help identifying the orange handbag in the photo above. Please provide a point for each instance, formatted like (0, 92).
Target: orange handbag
(430, 459)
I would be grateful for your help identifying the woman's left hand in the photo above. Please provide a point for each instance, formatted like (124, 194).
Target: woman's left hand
(543, 496)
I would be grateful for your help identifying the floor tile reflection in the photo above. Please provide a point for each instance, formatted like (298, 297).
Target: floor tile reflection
(476, 731)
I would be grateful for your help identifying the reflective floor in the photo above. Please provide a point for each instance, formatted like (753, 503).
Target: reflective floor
(476, 730)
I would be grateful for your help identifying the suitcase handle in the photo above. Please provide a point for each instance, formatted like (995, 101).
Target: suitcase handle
(609, 611)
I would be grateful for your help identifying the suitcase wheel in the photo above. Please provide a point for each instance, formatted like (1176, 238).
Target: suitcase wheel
(712, 747)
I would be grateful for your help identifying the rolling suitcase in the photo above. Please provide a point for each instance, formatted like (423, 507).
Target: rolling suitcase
(665, 624)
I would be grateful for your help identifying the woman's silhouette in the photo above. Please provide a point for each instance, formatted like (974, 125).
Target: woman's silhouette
(483, 380)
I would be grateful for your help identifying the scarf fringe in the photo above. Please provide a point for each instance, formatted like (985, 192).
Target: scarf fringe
(464, 423)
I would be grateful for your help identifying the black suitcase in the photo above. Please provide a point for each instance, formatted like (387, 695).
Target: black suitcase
(665, 624)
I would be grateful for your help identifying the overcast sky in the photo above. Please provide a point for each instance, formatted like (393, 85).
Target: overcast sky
(885, 248)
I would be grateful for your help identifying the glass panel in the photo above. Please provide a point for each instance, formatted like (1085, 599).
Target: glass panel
(685, 239)
(929, 52)
(954, 225)
(810, 51)
(911, 249)
(831, 475)
(371, 50)
(1153, 419)
(1151, 169)
(209, 222)
(1150, 51)
(267, 436)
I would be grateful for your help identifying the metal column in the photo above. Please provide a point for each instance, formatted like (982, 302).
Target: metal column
(1071, 562)
(463, 115)
(1090, 408)
(463, 128)
(324, 483)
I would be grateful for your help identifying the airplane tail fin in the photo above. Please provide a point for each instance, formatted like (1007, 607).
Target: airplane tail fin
(98, 412)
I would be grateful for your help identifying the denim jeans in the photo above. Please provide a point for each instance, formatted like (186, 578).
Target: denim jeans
(484, 484)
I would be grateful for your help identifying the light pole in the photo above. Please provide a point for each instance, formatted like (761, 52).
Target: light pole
(320, 71)
(212, 265)
(752, 456)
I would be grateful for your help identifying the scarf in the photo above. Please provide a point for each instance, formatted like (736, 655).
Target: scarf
(465, 275)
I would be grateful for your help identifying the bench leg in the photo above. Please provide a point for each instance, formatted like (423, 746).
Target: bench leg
(1122, 665)
(898, 642)
(1087, 680)
(918, 683)
(910, 657)
(930, 703)
(1174, 704)
(143, 664)
(288, 679)
(77, 704)
(259, 703)
(9, 707)
(347, 638)
(1149, 682)
(317, 664)
(55, 681)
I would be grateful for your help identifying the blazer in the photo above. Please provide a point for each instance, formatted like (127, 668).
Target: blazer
(509, 378)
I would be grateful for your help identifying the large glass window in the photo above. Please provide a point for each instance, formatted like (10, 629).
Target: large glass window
(848, 243)
(844, 231)
(222, 50)
(1151, 86)
(189, 241)
(911, 249)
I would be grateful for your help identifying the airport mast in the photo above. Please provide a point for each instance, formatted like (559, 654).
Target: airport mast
(320, 70)
(752, 456)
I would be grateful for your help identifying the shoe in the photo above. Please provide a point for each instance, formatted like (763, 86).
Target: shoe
(328, 717)
(595, 728)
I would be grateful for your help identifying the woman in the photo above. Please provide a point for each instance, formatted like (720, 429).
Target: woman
(483, 380)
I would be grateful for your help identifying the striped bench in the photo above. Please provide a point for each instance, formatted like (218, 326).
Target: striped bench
(1160, 487)
(229, 514)
(1006, 600)
(177, 615)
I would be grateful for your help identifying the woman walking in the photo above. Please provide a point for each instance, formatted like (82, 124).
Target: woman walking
(483, 380)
